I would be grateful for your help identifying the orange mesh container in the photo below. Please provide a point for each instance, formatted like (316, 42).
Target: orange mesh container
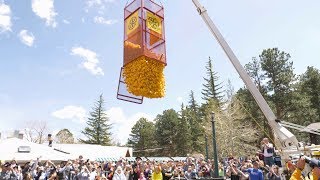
(144, 31)
(144, 49)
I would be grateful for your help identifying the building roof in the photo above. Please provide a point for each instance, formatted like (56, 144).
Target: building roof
(9, 151)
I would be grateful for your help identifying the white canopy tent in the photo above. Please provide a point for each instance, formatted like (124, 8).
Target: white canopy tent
(159, 159)
(22, 150)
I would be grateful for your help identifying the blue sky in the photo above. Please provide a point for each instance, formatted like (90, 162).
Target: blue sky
(44, 44)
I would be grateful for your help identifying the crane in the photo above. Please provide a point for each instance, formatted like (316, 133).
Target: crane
(285, 140)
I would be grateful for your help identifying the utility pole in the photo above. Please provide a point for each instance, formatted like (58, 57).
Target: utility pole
(215, 153)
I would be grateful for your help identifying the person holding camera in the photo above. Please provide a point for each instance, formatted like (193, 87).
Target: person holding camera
(84, 174)
(232, 171)
(297, 174)
(166, 172)
(274, 173)
(64, 169)
(268, 151)
(8, 172)
(178, 172)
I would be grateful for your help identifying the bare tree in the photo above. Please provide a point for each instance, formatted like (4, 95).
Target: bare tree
(233, 134)
(36, 131)
(64, 136)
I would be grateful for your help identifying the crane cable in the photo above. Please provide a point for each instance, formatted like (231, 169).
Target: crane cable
(283, 123)
(231, 120)
(267, 134)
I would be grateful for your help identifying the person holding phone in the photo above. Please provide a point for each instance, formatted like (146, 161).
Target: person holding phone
(8, 172)
(274, 173)
(268, 151)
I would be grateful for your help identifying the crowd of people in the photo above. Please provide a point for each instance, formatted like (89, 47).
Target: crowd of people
(263, 166)
(82, 169)
(258, 167)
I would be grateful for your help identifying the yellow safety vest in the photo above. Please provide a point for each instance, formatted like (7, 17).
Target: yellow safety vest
(298, 176)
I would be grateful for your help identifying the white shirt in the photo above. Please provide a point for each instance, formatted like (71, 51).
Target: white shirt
(93, 175)
(265, 152)
(120, 176)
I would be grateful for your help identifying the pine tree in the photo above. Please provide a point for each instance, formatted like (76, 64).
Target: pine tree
(211, 88)
(142, 137)
(304, 108)
(194, 118)
(166, 131)
(310, 85)
(193, 105)
(183, 140)
(98, 127)
(255, 72)
(274, 77)
(278, 71)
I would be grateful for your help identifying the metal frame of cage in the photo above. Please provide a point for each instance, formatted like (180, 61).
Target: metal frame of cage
(142, 7)
(145, 31)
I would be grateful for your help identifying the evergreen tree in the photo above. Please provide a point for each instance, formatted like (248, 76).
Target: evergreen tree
(211, 87)
(310, 85)
(255, 72)
(142, 137)
(301, 112)
(274, 77)
(195, 120)
(193, 105)
(249, 104)
(166, 132)
(305, 102)
(183, 140)
(278, 71)
(98, 127)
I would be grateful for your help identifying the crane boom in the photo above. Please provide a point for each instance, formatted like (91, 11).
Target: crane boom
(286, 138)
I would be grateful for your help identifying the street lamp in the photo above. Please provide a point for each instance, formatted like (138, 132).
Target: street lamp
(215, 153)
